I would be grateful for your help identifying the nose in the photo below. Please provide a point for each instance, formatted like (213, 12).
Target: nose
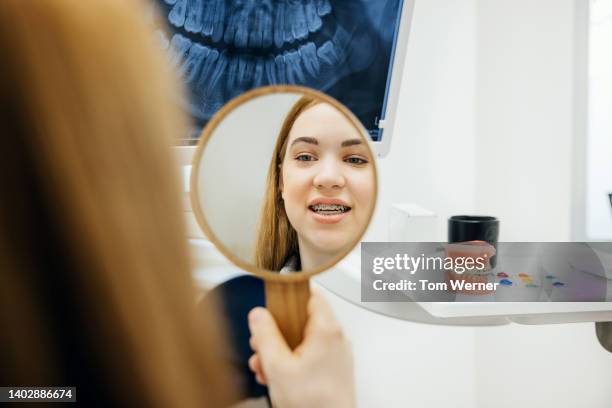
(329, 175)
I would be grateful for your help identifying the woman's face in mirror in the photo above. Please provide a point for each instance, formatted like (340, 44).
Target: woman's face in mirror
(327, 182)
(305, 209)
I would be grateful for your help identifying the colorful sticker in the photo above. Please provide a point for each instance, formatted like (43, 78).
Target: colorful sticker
(506, 282)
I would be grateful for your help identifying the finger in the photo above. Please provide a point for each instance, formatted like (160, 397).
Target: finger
(261, 379)
(320, 314)
(266, 337)
(318, 302)
(255, 366)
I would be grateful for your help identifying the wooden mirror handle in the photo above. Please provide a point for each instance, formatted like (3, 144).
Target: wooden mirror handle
(287, 302)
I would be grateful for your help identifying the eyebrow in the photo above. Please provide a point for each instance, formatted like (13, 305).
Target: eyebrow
(351, 142)
(312, 140)
(305, 139)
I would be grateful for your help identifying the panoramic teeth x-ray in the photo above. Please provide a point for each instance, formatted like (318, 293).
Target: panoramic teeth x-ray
(222, 48)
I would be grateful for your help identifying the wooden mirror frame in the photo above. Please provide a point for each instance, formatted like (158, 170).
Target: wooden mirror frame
(286, 294)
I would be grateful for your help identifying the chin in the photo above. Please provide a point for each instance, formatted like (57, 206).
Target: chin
(331, 242)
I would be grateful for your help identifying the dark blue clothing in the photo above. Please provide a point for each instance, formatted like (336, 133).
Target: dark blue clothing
(237, 297)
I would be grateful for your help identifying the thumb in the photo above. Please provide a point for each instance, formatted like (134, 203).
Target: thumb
(266, 338)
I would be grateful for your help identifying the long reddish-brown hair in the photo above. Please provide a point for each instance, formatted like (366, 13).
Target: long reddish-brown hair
(94, 270)
(276, 237)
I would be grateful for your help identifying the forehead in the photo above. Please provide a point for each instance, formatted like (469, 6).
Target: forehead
(325, 123)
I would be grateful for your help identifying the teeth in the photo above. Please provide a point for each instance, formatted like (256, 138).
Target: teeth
(341, 38)
(329, 208)
(270, 68)
(295, 74)
(257, 24)
(240, 73)
(232, 73)
(218, 20)
(179, 46)
(312, 18)
(245, 70)
(177, 14)
(281, 69)
(228, 36)
(193, 21)
(241, 26)
(207, 69)
(308, 52)
(323, 7)
(215, 77)
(289, 22)
(299, 27)
(279, 24)
(218, 71)
(208, 15)
(259, 73)
(268, 27)
(327, 53)
(256, 35)
(193, 62)
(329, 212)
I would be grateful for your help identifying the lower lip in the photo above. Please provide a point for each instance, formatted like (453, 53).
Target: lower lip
(328, 219)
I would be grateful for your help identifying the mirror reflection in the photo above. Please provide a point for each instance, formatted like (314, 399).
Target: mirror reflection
(291, 191)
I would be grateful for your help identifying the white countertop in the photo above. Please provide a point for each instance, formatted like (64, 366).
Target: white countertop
(212, 268)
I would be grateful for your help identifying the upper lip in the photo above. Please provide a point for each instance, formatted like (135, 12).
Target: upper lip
(324, 200)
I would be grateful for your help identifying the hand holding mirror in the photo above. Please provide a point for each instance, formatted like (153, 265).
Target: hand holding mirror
(283, 182)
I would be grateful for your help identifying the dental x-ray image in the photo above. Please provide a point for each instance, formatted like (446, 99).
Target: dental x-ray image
(223, 48)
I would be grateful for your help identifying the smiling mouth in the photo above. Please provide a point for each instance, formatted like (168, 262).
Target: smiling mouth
(329, 209)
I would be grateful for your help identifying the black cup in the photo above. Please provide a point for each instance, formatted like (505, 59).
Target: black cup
(462, 228)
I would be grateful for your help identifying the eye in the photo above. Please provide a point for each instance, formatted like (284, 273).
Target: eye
(305, 157)
(356, 160)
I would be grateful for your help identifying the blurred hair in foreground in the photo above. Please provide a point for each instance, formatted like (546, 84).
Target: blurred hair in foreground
(95, 287)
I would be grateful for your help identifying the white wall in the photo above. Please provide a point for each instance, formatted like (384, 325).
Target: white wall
(403, 364)
(598, 167)
(560, 366)
(234, 166)
(400, 363)
(485, 117)
(524, 131)
(485, 125)
(431, 161)
(524, 114)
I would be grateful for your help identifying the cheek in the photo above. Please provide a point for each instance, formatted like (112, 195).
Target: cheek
(296, 185)
(363, 189)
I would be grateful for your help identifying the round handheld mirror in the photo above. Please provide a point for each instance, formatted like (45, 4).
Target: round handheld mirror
(283, 182)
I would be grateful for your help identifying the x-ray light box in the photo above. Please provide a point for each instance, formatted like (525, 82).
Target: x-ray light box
(353, 50)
